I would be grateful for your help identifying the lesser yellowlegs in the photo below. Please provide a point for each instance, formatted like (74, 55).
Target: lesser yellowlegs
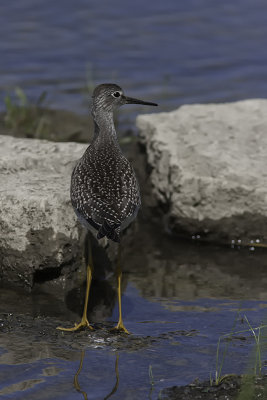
(104, 190)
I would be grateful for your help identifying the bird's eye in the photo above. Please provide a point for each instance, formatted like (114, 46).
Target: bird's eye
(116, 94)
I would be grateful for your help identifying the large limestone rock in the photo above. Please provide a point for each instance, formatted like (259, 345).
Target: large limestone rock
(209, 167)
(38, 228)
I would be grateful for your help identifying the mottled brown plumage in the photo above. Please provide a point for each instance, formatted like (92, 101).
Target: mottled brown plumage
(104, 189)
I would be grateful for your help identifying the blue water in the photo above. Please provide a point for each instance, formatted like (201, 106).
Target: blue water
(46, 371)
(171, 52)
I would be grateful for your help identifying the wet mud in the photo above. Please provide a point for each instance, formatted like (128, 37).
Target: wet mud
(232, 387)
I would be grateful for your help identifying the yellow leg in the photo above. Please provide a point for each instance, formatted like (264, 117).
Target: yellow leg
(120, 326)
(84, 321)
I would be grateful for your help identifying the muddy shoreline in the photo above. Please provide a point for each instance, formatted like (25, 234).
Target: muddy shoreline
(231, 388)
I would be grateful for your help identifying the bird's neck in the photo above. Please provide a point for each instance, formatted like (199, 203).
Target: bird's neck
(105, 131)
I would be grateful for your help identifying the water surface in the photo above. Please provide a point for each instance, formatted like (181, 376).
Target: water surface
(169, 52)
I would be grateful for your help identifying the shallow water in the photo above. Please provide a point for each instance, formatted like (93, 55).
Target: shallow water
(169, 52)
(184, 348)
(177, 301)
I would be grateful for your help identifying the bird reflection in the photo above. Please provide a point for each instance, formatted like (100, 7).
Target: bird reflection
(75, 381)
(77, 385)
(115, 387)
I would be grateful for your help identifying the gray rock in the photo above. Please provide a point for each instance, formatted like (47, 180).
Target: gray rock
(208, 168)
(38, 228)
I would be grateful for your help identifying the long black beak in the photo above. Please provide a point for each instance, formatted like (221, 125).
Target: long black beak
(130, 100)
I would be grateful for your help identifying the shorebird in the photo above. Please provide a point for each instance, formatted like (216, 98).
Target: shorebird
(104, 190)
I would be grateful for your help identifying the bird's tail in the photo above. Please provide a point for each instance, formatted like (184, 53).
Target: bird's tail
(111, 231)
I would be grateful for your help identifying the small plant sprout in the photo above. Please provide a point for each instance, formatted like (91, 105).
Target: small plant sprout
(258, 363)
(152, 382)
(256, 333)
(25, 117)
(151, 377)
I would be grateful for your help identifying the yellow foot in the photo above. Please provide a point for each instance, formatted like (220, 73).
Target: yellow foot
(83, 324)
(121, 328)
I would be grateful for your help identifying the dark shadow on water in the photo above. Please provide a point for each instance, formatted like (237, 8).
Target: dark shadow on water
(103, 290)
(161, 266)
(103, 297)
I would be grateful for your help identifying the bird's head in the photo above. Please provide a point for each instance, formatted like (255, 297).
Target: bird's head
(109, 96)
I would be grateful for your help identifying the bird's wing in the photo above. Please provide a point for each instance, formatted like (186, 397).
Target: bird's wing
(110, 195)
